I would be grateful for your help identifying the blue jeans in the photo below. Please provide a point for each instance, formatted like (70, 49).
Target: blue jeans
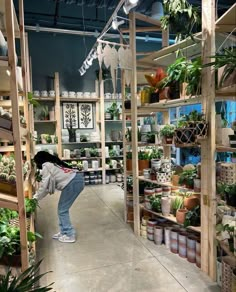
(67, 198)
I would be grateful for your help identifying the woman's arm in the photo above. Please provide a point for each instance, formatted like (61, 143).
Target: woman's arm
(43, 185)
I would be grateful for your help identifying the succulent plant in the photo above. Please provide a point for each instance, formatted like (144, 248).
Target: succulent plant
(3, 176)
(6, 170)
(12, 178)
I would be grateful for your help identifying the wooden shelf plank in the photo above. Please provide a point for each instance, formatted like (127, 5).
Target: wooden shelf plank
(44, 121)
(10, 148)
(78, 143)
(79, 99)
(80, 158)
(6, 134)
(226, 91)
(8, 201)
(221, 148)
(7, 104)
(42, 98)
(113, 121)
(226, 23)
(171, 218)
(114, 142)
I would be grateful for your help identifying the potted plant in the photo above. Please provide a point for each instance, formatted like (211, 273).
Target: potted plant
(83, 138)
(129, 161)
(168, 132)
(151, 137)
(114, 110)
(30, 206)
(177, 204)
(143, 160)
(155, 202)
(93, 152)
(44, 115)
(228, 192)
(191, 200)
(187, 178)
(48, 139)
(193, 217)
(181, 215)
(112, 153)
(25, 282)
(181, 17)
(129, 184)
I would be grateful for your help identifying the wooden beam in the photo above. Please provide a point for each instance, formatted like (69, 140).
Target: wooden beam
(147, 19)
(58, 113)
(208, 149)
(144, 53)
(165, 38)
(16, 132)
(134, 115)
(143, 29)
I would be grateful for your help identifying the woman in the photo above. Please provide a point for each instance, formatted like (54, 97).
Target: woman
(56, 174)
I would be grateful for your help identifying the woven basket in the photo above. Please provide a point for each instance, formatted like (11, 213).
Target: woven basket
(228, 264)
(15, 223)
(184, 136)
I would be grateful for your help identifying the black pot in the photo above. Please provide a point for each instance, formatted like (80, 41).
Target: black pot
(201, 128)
(174, 90)
(72, 135)
(232, 141)
(230, 199)
(154, 97)
(127, 104)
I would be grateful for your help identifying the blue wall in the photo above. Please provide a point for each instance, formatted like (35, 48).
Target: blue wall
(65, 54)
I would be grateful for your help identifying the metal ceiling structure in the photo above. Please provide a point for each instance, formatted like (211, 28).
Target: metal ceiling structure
(87, 15)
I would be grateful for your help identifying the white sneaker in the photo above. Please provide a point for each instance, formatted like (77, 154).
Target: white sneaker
(65, 238)
(57, 235)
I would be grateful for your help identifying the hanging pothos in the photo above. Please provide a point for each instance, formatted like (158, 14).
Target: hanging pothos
(181, 18)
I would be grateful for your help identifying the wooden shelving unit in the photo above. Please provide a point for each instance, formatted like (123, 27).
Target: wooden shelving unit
(205, 44)
(12, 85)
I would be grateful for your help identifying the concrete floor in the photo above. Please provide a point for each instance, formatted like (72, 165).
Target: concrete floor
(107, 256)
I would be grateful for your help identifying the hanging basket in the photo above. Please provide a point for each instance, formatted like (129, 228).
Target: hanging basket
(184, 136)
(201, 129)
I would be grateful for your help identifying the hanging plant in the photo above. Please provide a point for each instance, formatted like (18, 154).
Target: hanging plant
(181, 17)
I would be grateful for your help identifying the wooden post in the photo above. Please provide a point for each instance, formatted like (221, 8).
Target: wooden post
(165, 38)
(16, 132)
(58, 114)
(102, 117)
(208, 168)
(134, 115)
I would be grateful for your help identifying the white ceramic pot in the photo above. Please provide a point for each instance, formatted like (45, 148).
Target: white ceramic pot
(165, 206)
(85, 165)
(95, 164)
(161, 177)
(156, 164)
(93, 95)
(87, 94)
(72, 94)
(147, 173)
(145, 128)
(66, 153)
(79, 94)
(107, 95)
(44, 93)
(64, 94)
(52, 93)
(36, 93)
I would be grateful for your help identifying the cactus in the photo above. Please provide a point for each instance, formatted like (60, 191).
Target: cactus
(12, 179)
(3, 176)
(6, 170)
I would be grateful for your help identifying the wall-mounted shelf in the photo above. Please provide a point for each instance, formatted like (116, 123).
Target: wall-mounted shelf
(78, 143)
(44, 121)
(69, 99)
(221, 148)
(41, 98)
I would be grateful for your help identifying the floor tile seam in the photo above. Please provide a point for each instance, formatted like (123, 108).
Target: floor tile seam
(170, 273)
(110, 265)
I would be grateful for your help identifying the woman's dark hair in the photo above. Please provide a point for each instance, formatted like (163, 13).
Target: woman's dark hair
(43, 156)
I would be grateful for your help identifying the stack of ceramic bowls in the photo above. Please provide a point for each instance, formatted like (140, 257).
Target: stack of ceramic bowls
(64, 136)
(94, 137)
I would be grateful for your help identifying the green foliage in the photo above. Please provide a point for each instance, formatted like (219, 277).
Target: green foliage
(114, 109)
(93, 152)
(227, 58)
(83, 138)
(25, 282)
(187, 177)
(225, 189)
(181, 17)
(156, 153)
(30, 205)
(129, 155)
(183, 70)
(31, 99)
(177, 203)
(129, 184)
(193, 217)
(44, 113)
(143, 155)
(112, 153)
(38, 176)
(155, 202)
(168, 131)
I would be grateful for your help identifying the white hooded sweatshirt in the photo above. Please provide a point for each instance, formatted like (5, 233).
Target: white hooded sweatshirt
(53, 177)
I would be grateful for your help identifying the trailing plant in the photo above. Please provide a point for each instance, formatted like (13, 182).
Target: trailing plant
(25, 282)
(167, 131)
(48, 139)
(181, 17)
(193, 217)
(225, 189)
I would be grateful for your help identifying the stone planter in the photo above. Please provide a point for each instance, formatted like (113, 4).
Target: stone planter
(174, 246)
(183, 244)
(158, 235)
(191, 249)
(165, 206)
(167, 231)
(197, 185)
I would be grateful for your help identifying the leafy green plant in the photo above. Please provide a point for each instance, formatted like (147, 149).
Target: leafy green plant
(227, 58)
(155, 202)
(112, 153)
(168, 131)
(25, 282)
(93, 152)
(187, 177)
(129, 184)
(151, 137)
(156, 154)
(193, 217)
(31, 99)
(30, 206)
(48, 139)
(114, 109)
(177, 204)
(44, 113)
(83, 138)
(143, 155)
(129, 155)
(38, 176)
(181, 17)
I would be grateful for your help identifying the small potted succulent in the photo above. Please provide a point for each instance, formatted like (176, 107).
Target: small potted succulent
(167, 132)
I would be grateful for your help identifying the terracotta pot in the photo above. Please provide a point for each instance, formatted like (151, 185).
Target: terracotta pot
(168, 140)
(11, 260)
(142, 164)
(129, 164)
(191, 202)
(180, 215)
(175, 179)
